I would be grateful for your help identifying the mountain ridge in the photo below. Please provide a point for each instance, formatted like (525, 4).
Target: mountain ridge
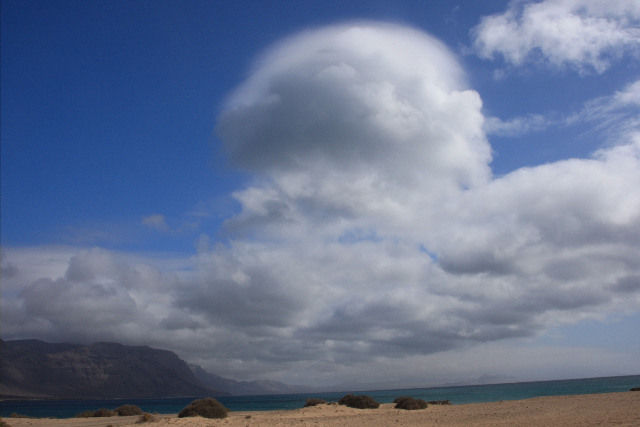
(34, 368)
(37, 369)
(247, 388)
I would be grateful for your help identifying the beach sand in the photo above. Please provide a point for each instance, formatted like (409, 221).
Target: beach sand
(591, 409)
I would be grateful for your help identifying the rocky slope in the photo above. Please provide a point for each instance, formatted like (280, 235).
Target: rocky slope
(34, 368)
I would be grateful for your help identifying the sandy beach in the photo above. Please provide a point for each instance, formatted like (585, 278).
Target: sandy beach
(591, 409)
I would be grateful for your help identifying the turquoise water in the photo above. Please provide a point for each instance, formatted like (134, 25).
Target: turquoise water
(457, 395)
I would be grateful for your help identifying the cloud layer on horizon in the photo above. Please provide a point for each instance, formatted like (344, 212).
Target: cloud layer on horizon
(373, 229)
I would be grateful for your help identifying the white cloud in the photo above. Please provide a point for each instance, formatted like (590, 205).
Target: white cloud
(361, 96)
(616, 116)
(516, 126)
(373, 233)
(347, 123)
(586, 35)
(156, 221)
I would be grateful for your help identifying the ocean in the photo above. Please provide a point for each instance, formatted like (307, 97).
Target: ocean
(457, 395)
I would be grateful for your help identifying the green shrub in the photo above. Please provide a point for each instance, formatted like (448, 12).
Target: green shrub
(3, 424)
(85, 414)
(360, 402)
(145, 418)
(128, 410)
(207, 408)
(314, 402)
(409, 403)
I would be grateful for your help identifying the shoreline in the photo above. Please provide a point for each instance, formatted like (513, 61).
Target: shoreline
(622, 408)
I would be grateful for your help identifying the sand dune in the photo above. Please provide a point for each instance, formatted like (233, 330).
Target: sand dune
(592, 409)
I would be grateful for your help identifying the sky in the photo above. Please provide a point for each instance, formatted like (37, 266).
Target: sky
(362, 193)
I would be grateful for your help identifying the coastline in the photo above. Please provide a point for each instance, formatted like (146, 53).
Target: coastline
(621, 408)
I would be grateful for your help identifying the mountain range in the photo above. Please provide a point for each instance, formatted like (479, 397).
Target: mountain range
(37, 369)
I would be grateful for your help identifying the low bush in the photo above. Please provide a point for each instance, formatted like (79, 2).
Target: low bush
(409, 403)
(3, 424)
(145, 418)
(128, 410)
(103, 412)
(85, 414)
(359, 402)
(314, 402)
(207, 408)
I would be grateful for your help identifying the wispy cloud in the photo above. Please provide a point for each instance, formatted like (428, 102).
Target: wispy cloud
(517, 126)
(613, 116)
(616, 116)
(156, 221)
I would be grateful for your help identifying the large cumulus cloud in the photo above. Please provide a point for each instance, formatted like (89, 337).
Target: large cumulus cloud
(359, 97)
(373, 229)
(349, 121)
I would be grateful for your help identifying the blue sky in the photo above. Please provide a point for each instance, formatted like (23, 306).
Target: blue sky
(317, 192)
(118, 101)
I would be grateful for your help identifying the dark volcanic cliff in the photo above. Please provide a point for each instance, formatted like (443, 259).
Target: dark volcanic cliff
(102, 370)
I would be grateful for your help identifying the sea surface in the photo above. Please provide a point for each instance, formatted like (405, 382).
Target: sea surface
(457, 395)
